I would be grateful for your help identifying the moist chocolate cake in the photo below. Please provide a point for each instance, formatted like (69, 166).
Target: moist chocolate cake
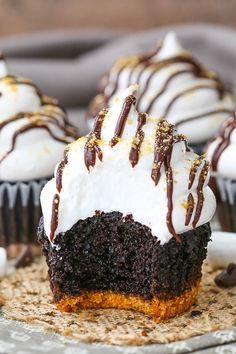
(126, 218)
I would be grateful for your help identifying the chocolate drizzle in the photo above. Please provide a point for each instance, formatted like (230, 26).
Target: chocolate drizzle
(190, 209)
(163, 147)
(193, 170)
(90, 150)
(165, 139)
(49, 114)
(129, 101)
(169, 182)
(91, 147)
(56, 199)
(27, 127)
(61, 168)
(187, 91)
(200, 195)
(202, 115)
(54, 218)
(224, 136)
(138, 139)
(165, 86)
(149, 62)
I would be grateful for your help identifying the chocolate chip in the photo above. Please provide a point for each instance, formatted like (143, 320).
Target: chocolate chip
(227, 278)
(25, 258)
(195, 313)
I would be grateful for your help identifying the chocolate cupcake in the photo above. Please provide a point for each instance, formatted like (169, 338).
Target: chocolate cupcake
(221, 151)
(173, 85)
(126, 218)
(34, 131)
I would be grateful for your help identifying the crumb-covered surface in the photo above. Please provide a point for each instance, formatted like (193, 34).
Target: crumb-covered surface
(27, 297)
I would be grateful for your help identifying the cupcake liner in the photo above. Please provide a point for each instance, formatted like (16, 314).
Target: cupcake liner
(226, 206)
(20, 212)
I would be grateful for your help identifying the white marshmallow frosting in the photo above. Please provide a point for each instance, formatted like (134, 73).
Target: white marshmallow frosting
(27, 122)
(114, 185)
(226, 161)
(194, 92)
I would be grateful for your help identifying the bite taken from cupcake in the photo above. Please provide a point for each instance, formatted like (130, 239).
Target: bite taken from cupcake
(126, 217)
(174, 86)
(34, 131)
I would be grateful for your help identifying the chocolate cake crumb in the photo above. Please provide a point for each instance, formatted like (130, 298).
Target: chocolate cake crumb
(104, 252)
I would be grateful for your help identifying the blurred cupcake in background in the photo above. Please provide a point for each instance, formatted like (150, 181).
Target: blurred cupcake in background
(221, 151)
(33, 133)
(173, 85)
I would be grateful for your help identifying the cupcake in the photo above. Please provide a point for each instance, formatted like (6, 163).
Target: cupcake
(173, 85)
(221, 151)
(34, 131)
(126, 218)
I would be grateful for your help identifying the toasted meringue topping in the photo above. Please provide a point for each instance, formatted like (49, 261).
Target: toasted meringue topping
(145, 173)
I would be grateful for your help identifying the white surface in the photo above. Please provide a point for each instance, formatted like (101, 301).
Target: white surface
(194, 103)
(114, 185)
(3, 262)
(222, 249)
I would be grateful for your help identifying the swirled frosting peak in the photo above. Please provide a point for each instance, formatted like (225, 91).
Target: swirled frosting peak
(173, 85)
(134, 164)
(34, 129)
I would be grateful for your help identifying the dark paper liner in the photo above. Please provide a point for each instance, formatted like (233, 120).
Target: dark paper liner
(20, 212)
(226, 202)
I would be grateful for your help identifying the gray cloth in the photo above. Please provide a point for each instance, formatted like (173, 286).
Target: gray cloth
(19, 338)
(68, 64)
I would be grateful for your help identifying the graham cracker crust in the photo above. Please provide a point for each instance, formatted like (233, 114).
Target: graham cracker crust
(27, 297)
(156, 308)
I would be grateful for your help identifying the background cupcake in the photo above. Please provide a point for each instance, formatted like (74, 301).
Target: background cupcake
(173, 85)
(221, 151)
(33, 133)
